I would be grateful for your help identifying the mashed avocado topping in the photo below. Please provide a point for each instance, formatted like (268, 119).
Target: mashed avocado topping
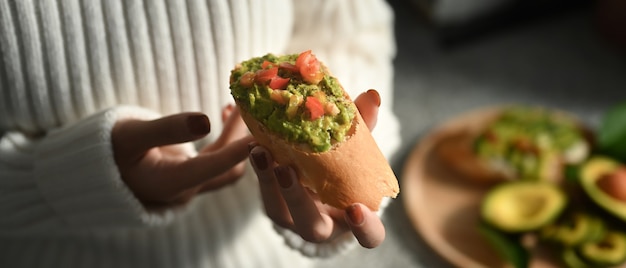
(294, 96)
(529, 139)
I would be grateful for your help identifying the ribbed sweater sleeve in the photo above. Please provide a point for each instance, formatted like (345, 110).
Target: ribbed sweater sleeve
(68, 179)
(65, 63)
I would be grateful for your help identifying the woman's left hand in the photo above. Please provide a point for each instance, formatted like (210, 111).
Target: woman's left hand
(292, 206)
(161, 173)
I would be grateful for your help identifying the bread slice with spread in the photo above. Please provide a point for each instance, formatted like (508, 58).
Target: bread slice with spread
(303, 116)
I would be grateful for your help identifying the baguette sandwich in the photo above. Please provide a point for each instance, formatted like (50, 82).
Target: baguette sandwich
(517, 143)
(303, 116)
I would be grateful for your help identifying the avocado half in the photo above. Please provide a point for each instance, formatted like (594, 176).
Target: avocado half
(574, 229)
(607, 252)
(590, 173)
(520, 206)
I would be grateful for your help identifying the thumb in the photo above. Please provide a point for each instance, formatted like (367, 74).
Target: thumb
(368, 103)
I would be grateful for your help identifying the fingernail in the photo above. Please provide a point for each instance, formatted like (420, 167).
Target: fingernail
(260, 160)
(375, 96)
(199, 124)
(252, 145)
(283, 175)
(355, 214)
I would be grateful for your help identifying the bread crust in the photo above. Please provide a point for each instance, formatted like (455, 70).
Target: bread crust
(456, 151)
(352, 171)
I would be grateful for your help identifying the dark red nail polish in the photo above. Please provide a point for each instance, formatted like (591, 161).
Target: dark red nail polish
(198, 124)
(355, 214)
(283, 175)
(252, 145)
(260, 160)
(375, 96)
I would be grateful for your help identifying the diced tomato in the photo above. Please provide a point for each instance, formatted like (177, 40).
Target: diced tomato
(279, 83)
(265, 75)
(491, 137)
(288, 67)
(266, 64)
(247, 79)
(310, 67)
(314, 107)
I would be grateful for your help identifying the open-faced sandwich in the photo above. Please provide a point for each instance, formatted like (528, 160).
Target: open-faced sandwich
(517, 142)
(303, 116)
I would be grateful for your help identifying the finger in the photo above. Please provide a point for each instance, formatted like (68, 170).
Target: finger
(229, 177)
(136, 136)
(368, 103)
(308, 222)
(164, 203)
(275, 206)
(227, 111)
(198, 170)
(365, 225)
(234, 129)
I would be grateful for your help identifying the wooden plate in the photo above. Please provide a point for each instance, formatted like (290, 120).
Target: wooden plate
(443, 207)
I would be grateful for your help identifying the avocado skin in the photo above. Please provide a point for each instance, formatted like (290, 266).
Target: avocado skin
(571, 259)
(507, 245)
(592, 170)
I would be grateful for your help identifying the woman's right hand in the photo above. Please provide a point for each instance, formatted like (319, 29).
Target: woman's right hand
(291, 205)
(160, 172)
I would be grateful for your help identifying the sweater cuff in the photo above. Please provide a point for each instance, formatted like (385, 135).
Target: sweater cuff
(77, 175)
(339, 245)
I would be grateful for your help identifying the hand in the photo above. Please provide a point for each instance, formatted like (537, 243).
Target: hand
(160, 172)
(292, 206)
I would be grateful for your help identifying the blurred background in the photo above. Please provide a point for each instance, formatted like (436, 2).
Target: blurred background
(458, 55)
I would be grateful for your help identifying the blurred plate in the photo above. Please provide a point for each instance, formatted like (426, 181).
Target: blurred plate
(443, 207)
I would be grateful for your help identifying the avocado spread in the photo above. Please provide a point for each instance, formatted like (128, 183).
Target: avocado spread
(529, 140)
(295, 98)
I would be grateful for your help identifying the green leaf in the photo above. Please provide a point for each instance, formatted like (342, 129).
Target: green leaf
(572, 173)
(508, 246)
(612, 133)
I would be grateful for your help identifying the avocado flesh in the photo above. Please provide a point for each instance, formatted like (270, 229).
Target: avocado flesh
(571, 259)
(609, 251)
(520, 206)
(590, 173)
(575, 229)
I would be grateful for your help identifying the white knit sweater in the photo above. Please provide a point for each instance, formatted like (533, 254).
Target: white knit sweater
(69, 69)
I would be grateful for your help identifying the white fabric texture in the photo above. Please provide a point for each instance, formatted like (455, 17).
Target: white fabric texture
(70, 69)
